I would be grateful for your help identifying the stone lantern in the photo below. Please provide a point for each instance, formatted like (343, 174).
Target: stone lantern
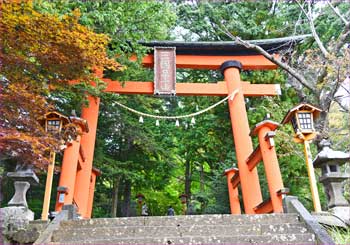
(23, 177)
(17, 215)
(333, 179)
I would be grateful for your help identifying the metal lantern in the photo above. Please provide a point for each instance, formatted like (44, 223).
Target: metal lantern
(302, 118)
(140, 198)
(53, 122)
(183, 198)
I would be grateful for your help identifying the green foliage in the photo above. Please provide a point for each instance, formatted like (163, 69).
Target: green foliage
(39, 52)
(125, 22)
(249, 20)
(165, 161)
(339, 235)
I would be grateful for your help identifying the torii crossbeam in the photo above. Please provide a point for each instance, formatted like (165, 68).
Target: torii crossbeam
(79, 178)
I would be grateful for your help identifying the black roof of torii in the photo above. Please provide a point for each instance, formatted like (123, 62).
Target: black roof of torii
(227, 47)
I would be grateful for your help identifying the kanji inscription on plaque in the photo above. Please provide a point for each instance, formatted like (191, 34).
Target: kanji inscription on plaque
(164, 71)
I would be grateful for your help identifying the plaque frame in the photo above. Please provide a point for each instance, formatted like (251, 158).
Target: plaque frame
(158, 85)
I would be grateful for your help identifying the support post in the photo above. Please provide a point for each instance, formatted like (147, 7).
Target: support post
(48, 186)
(68, 173)
(81, 192)
(235, 206)
(312, 178)
(95, 172)
(250, 185)
(269, 157)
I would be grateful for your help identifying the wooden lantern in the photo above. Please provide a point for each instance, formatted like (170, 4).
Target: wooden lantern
(53, 122)
(302, 118)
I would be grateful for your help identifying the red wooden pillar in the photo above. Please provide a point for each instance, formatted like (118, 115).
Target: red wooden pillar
(83, 176)
(95, 172)
(265, 133)
(66, 183)
(250, 185)
(235, 206)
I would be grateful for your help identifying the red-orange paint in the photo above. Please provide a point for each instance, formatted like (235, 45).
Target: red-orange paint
(272, 169)
(68, 172)
(249, 62)
(81, 194)
(249, 180)
(235, 206)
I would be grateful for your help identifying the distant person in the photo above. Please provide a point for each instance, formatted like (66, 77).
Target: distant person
(171, 211)
(144, 210)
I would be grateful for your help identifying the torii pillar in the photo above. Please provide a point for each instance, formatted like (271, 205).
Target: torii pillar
(82, 195)
(250, 185)
(77, 180)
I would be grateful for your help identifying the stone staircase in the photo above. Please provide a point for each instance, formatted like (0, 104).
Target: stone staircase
(195, 229)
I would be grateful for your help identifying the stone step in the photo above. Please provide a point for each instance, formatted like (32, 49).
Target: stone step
(98, 232)
(184, 220)
(306, 238)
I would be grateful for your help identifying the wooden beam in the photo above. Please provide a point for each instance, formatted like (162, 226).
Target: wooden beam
(235, 180)
(204, 89)
(254, 158)
(249, 62)
(264, 208)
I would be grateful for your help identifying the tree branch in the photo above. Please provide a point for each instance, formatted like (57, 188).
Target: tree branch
(273, 59)
(278, 62)
(336, 11)
(312, 27)
(342, 39)
(341, 105)
(314, 33)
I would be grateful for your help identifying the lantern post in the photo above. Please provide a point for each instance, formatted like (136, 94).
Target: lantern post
(53, 123)
(302, 118)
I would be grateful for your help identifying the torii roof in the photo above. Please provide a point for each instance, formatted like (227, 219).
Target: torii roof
(227, 47)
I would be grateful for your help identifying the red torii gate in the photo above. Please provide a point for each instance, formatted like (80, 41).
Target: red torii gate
(77, 180)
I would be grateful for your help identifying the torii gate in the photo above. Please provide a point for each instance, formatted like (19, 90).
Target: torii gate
(77, 180)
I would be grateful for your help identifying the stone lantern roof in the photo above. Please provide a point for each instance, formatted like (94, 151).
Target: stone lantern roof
(327, 155)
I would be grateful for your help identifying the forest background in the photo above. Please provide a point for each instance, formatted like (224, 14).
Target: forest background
(165, 161)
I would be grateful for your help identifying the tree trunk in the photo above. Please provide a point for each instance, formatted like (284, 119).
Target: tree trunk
(127, 196)
(201, 186)
(188, 181)
(201, 178)
(115, 196)
(1, 195)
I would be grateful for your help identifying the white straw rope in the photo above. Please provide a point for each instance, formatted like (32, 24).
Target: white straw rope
(231, 96)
